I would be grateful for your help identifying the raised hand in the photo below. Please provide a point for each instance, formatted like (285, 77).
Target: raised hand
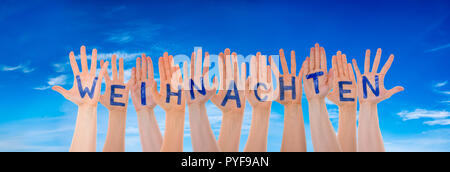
(260, 94)
(86, 86)
(116, 93)
(344, 95)
(199, 87)
(115, 99)
(141, 82)
(371, 84)
(286, 95)
(317, 81)
(85, 92)
(230, 100)
(173, 100)
(230, 97)
(198, 91)
(344, 84)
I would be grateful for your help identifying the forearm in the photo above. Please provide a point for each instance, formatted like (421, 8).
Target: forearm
(202, 136)
(323, 136)
(257, 138)
(85, 134)
(369, 134)
(173, 136)
(150, 134)
(230, 131)
(347, 128)
(115, 138)
(294, 130)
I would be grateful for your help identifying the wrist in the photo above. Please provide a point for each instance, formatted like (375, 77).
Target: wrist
(291, 110)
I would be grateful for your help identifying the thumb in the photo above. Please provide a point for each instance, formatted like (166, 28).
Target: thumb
(393, 91)
(60, 90)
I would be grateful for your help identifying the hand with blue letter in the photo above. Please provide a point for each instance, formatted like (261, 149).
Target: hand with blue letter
(289, 94)
(230, 99)
(260, 95)
(173, 100)
(86, 94)
(141, 83)
(318, 82)
(370, 92)
(344, 95)
(198, 91)
(115, 99)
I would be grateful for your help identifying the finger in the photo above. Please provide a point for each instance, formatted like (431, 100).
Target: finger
(221, 71)
(138, 68)
(274, 67)
(243, 76)
(150, 70)
(235, 72)
(107, 79)
(73, 64)
(121, 72)
(263, 66)
(114, 67)
(305, 66)
(334, 64)
(253, 72)
(229, 70)
(376, 61)
(144, 75)
(100, 77)
(258, 76)
(344, 66)
(283, 63)
(198, 63)
(350, 72)
(355, 66)
(293, 63)
(312, 59)
(162, 72)
(133, 76)
(193, 65)
(185, 73)
(387, 65)
(317, 56)
(83, 57)
(61, 90)
(323, 59)
(339, 65)
(167, 66)
(94, 62)
(206, 67)
(367, 62)
(393, 91)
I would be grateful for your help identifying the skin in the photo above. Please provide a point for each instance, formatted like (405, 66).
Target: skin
(150, 134)
(343, 71)
(369, 134)
(85, 135)
(259, 73)
(202, 136)
(294, 129)
(170, 75)
(230, 130)
(322, 132)
(115, 137)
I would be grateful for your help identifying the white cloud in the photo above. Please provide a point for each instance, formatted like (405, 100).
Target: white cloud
(134, 31)
(439, 48)
(423, 113)
(21, 67)
(59, 67)
(59, 80)
(440, 84)
(439, 117)
(438, 122)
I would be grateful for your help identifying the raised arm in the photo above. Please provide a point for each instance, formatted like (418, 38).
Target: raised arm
(230, 100)
(260, 96)
(199, 91)
(141, 82)
(289, 94)
(115, 99)
(369, 134)
(85, 93)
(172, 99)
(344, 96)
(317, 83)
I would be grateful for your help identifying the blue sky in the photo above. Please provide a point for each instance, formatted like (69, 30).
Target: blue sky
(37, 36)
